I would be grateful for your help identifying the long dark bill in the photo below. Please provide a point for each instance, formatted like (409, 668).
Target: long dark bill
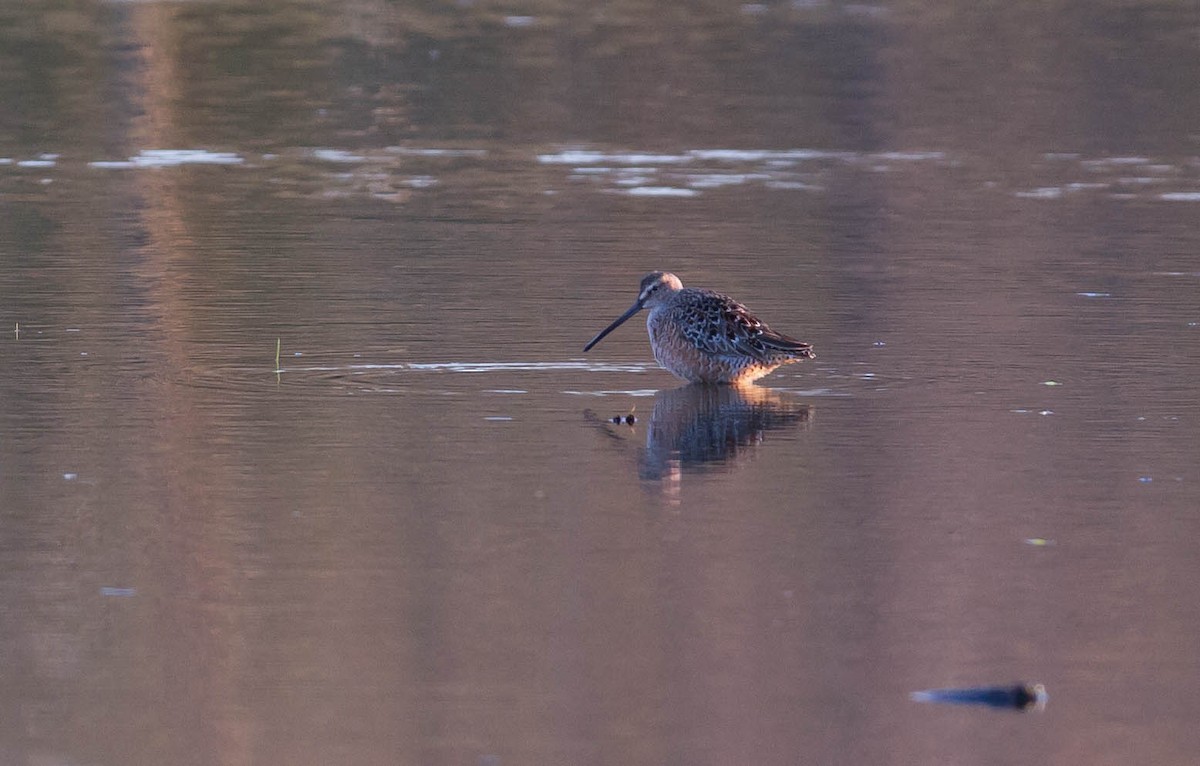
(635, 308)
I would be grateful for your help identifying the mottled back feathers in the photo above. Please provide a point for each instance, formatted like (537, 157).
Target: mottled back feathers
(717, 324)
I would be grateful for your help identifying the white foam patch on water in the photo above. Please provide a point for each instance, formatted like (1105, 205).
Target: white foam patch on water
(714, 180)
(1045, 192)
(910, 156)
(1180, 196)
(163, 158)
(337, 155)
(585, 157)
(661, 191)
(171, 157)
(1107, 162)
(429, 152)
(36, 164)
(762, 155)
(632, 180)
(792, 185)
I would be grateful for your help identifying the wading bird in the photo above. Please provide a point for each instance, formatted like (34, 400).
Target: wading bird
(706, 337)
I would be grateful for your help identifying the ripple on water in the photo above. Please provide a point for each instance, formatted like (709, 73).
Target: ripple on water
(643, 392)
(323, 379)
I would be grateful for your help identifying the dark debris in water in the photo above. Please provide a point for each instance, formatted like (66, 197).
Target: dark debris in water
(1013, 697)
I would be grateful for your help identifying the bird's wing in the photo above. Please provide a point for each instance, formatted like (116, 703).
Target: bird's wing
(718, 324)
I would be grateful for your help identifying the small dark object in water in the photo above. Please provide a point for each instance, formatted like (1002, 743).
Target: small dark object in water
(630, 419)
(616, 418)
(1015, 697)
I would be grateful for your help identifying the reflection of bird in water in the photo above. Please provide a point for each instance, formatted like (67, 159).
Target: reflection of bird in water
(1017, 696)
(698, 426)
(705, 337)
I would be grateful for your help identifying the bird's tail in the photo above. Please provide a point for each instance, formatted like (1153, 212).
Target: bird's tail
(782, 343)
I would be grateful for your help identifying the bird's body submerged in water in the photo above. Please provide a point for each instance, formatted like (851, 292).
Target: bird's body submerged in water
(706, 337)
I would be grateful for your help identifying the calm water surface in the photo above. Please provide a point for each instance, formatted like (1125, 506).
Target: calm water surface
(424, 541)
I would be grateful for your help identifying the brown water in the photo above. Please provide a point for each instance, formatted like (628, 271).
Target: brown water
(423, 541)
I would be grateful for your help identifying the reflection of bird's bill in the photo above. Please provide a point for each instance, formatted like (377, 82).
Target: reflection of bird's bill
(1018, 697)
(617, 427)
(635, 308)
